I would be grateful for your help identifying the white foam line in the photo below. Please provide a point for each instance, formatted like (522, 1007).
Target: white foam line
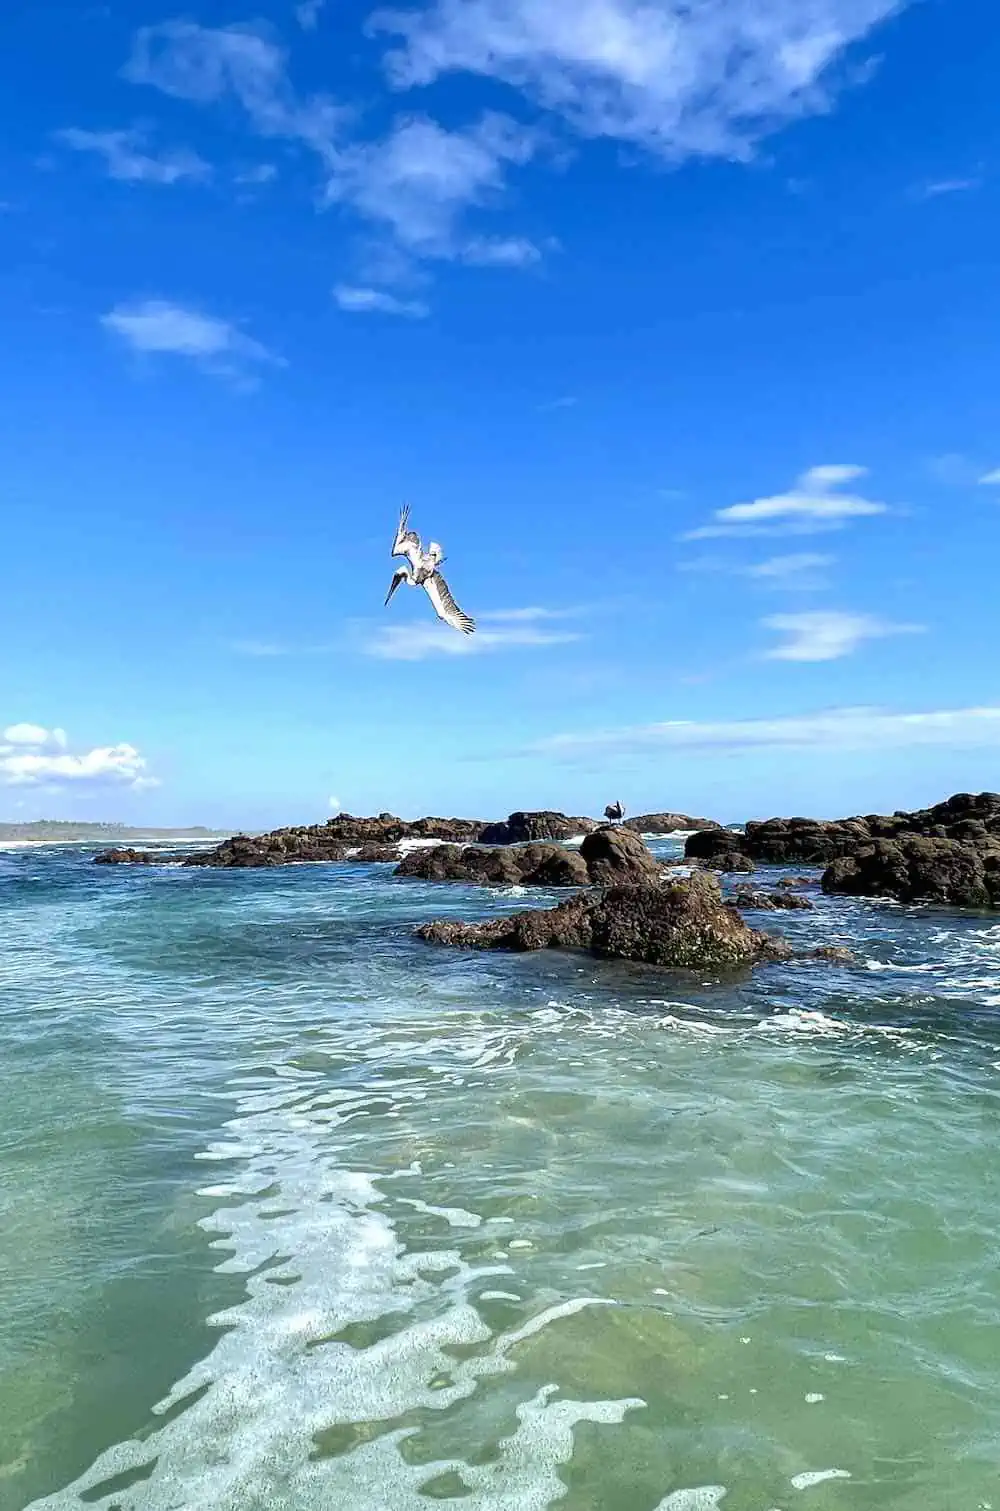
(810, 1477)
(244, 1422)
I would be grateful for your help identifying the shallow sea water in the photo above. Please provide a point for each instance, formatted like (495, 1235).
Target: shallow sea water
(297, 1212)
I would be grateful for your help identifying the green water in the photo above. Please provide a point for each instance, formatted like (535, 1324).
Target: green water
(299, 1213)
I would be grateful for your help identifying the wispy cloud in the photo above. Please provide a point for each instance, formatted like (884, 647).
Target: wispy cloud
(308, 13)
(126, 158)
(682, 80)
(260, 173)
(505, 630)
(815, 502)
(568, 401)
(828, 634)
(991, 479)
(827, 730)
(208, 65)
(800, 571)
(421, 179)
(267, 649)
(156, 326)
(941, 186)
(362, 301)
(31, 756)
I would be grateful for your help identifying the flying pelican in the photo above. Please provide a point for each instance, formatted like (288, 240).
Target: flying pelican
(421, 571)
(614, 813)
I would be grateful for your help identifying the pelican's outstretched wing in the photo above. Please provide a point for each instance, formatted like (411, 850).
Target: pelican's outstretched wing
(407, 542)
(445, 606)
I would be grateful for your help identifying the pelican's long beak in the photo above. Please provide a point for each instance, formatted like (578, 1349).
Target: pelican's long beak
(394, 584)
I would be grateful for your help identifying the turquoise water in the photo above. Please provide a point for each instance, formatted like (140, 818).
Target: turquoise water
(299, 1213)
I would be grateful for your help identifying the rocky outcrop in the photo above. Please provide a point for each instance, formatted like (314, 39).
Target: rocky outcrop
(370, 855)
(607, 857)
(387, 829)
(965, 818)
(127, 857)
(283, 847)
(684, 924)
(915, 868)
(530, 828)
(614, 857)
(668, 823)
(513, 865)
(752, 901)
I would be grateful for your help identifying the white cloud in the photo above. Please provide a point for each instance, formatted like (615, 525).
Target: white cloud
(362, 301)
(260, 173)
(157, 326)
(126, 159)
(682, 79)
(949, 186)
(991, 478)
(814, 502)
(31, 756)
(335, 804)
(308, 13)
(420, 180)
(207, 64)
(789, 570)
(500, 252)
(828, 634)
(829, 730)
(418, 641)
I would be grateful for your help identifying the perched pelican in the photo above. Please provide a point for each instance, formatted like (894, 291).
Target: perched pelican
(422, 572)
(614, 813)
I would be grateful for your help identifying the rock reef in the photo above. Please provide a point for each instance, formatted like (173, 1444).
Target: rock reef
(606, 857)
(531, 828)
(668, 823)
(683, 924)
(918, 869)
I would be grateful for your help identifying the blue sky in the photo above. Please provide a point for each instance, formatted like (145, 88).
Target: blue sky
(676, 324)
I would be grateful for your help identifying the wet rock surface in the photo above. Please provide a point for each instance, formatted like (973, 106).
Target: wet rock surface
(617, 856)
(919, 869)
(527, 828)
(682, 924)
(967, 819)
(770, 902)
(667, 823)
(127, 856)
(537, 865)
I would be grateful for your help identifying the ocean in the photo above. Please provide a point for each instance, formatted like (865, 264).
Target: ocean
(298, 1212)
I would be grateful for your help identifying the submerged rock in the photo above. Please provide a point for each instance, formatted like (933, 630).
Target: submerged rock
(683, 924)
(127, 856)
(668, 823)
(728, 860)
(543, 865)
(770, 902)
(283, 847)
(921, 869)
(370, 855)
(528, 828)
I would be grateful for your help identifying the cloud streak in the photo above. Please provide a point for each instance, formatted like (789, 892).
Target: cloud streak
(828, 634)
(126, 158)
(159, 327)
(829, 730)
(815, 502)
(364, 301)
(419, 641)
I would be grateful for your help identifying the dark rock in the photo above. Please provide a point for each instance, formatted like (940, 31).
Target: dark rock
(770, 902)
(387, 829)
(668, 823)
(618, 856)
(283, 847)
(729, 860)
(683, 924)
(964, 818)
(916, 868)
(515, 865)
(799, 881)
(377, 855)
(835, 954)
(528, 828)
(127, 857)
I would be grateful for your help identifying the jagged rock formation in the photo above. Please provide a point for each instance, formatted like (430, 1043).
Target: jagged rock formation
(683, 924)
(918, 869)
(509, 865)
(668, 823)
(749, 900)
(530, 828)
